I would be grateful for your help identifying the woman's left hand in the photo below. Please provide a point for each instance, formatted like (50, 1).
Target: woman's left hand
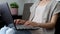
(29, 23)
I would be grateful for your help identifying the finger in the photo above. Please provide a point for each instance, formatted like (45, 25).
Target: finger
(17, 21)
(14, 21)
(26, 24)
(29, 25)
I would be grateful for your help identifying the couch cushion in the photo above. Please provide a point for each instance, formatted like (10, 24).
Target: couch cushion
(26, 11)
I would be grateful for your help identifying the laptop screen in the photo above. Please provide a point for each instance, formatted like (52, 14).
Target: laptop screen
(6, 13)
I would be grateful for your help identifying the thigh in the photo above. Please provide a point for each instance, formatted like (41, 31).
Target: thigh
(14, 31)
(3, 30)
(22, 32)
(39, 31)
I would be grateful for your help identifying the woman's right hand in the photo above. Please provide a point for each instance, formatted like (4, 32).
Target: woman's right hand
(19, 21)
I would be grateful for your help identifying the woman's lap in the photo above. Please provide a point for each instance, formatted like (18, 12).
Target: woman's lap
(19, 32)
(22, 32)
(6, 30)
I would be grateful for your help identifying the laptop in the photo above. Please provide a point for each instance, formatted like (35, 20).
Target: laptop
(26, 27)
(7, 17)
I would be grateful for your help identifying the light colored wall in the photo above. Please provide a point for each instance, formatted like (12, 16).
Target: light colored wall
(19, 2)
(29, 1)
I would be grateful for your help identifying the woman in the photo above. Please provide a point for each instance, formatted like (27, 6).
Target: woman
(44, 14)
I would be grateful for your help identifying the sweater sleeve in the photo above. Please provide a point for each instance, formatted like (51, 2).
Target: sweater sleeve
(57, 9)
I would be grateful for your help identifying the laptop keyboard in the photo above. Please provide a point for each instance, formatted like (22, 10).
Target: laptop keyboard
(25, 27)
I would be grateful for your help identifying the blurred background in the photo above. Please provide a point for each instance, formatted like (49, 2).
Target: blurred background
(20, 4)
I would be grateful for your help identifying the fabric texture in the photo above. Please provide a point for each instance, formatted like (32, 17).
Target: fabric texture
(38, 17)
(39, 14)
(3, 30)
(8, 30)
(51, 9)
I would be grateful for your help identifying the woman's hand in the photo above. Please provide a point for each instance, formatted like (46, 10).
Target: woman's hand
(29, 23)
(19, 21)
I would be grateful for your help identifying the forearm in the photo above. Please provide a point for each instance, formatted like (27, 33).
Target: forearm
(48, 25)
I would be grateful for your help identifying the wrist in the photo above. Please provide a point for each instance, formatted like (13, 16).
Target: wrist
(38, 24)
(24, 21)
